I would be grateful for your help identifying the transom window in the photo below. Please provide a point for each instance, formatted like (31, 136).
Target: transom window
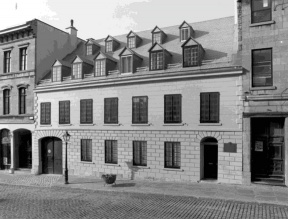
(126, 64)
(22, 100)
(139, 110)
(45, 113)
(56, 73)
(156, 38)
(184, 34)
(89, 50)
(111, 110)
(23, 59)
(157, 60)
(191, 56)
(209, 107)
(6, 101)
(64, 112)
(262, 68)
(111, 151)
(131, 42)
(100, 67)
(261, 11)
(172, 108)
(86, 150)
(140, 153)
(77, 70)
(109, 46)
(7, 61)
(86, 111)
(172, 155)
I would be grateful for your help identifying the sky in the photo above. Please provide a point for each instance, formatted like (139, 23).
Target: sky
(98, 18)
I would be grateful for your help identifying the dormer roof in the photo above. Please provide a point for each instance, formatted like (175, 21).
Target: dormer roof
(156, 29)
(127, 51)
(102, 55)
(82, 59)
(190, 42)
(109, 38)
(131, 33)
(185, 24)
(156, 47)
(92, 41)
(59, 62)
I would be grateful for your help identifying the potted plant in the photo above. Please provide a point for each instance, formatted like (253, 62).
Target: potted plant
(109, 178)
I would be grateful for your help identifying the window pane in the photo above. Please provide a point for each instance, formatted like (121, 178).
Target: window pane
(86, 111)
(262, 68)
(45, 113)
(109, 46)
(111, 110)
(23, 59)
(172, 155)
(86, 150)
(140, 153)
(209, 107)
(261, 11)
(111, 152)
(89, 49)
(140, 110)
(6, 101)
(64, 112)
(172, 108)
(22, 100)
(191, 56)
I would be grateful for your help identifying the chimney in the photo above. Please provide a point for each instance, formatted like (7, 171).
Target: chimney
(73, 33)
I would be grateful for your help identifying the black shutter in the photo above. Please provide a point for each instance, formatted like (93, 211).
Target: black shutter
(89, 113)
(107, 110)
(108, 151)
(136, 153)
(214, 107)
(204, 107)
(114, 152)
(168, 154)
(48, 113)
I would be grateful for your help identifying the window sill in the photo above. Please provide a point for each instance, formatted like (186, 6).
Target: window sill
(64, 124)
(262, 23)
(141, 167)
(172, 169)
(175, 124)
(144, 124)
(210, 124)
(118, 124)
(87, 124)
(46, 125)
(263, 88)
(87, 162)
(112, 164)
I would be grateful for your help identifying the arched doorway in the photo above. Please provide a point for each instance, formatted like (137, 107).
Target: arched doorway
(209, 158)
(23, 148)
(5, 152)
(51, 155)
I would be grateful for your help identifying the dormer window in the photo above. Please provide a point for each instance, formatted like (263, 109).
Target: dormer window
(89, 50)
(184, 34)
(77, 70)
(156, 38)
(103, 64)
(109, 46)
(56, 74)
(156, 60)
(193, 53)
(100, 67)
(126, 64)
(131, 42)
(186, 31)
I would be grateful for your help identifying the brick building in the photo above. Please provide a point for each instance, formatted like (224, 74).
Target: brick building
(263, 29)
(26, 53)
(164, 104)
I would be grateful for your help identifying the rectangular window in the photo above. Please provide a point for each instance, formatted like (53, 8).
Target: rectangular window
(89, 50)
(172, 108)
(7, 61)
(156, 38)
(157, 61)
(23, 59)
(109, 46)
(261, 11)
(100, 67)
(6, 101)
(64, 112)
(126, 64)
(86, 150)
(209, 107)
(111, 151)
(111, 110)
(139, 110)
(22, 100)
(262, 68)
(190, 56)
(45, 114)
(77, 71)
(131, 42)
(56, 73)
(172, 155)
(139, 153)
(86, 111)
(184, 34)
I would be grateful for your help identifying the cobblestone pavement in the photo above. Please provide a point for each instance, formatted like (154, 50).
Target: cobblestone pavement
(57, 202)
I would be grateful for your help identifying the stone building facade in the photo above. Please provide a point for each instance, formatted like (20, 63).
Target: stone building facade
(162, 105)
(26, 55)
(263, 41)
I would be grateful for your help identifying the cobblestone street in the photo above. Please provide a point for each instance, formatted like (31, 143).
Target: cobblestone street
(58, 202)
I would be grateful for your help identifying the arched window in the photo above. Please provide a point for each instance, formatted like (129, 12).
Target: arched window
(6, 101)
(22, 100)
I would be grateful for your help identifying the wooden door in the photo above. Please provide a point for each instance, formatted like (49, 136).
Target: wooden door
(52, 156)
(57, 156)
(210, 161)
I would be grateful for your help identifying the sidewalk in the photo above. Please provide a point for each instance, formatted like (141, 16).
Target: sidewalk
(253, 193)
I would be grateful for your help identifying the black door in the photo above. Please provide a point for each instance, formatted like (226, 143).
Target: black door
(210, 161)
(52, 156)
(25, 150)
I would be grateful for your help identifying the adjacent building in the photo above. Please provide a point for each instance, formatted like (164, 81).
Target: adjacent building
(26, 53)
(164, 104)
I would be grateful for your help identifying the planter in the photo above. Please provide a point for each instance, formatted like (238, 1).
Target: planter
(109, 178)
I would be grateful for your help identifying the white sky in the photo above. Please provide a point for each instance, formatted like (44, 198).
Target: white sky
(98, 18)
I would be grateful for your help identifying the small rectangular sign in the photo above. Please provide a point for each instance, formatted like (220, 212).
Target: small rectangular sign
(230, 147)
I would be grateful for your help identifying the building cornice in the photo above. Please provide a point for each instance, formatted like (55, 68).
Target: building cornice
(140, 78)
(271, 97)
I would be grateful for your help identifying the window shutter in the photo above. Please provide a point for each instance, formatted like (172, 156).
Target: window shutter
(89, 113)
(107, 109)
(136, 152)
(108, 152)
(61, 112)
(204, 107)
(114, 152)
(114, 110)
(135, 109)
(143, 110)
(67, 112)
(214, 107)
(48, 113)
(177, 155)
(42, 113)
(168, 154)
(144, 153)
(83, 150)
(82, 111)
